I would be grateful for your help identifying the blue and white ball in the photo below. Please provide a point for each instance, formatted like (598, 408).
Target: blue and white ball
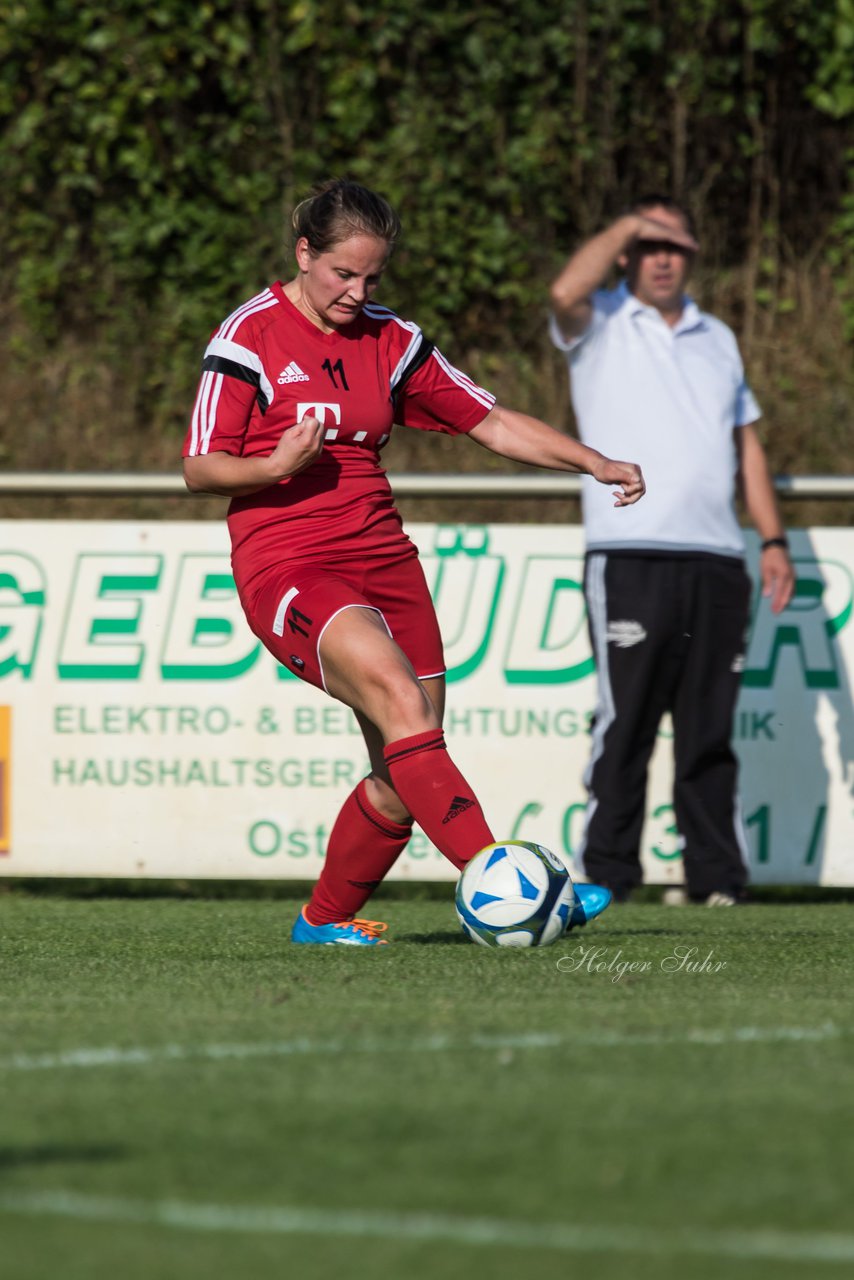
(515, 894)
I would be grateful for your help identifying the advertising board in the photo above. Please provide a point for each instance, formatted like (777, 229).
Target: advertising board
(145, 733)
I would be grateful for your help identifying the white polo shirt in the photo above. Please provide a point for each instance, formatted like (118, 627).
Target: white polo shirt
(668, 399)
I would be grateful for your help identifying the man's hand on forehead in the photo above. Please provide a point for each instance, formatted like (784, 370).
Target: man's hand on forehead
(659, 232)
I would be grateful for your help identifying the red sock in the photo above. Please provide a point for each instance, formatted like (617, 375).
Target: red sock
(437, 795)
(362, 847)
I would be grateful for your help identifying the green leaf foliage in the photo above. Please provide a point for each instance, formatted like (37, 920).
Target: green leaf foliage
(150, 154)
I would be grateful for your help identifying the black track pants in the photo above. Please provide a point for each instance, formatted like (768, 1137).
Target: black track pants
(668, 634)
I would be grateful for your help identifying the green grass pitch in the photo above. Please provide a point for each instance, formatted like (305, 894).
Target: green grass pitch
(666, 1093)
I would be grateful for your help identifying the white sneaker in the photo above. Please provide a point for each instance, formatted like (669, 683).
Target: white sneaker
(678, 897)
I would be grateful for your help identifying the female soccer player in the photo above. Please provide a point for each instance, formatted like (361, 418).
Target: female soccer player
(299, 392)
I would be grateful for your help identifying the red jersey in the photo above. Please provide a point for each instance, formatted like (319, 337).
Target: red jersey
(267, 367)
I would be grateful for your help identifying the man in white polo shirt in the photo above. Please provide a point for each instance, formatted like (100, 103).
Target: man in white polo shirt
(656, 379)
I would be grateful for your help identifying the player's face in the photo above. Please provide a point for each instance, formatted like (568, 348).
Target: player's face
(334, 286)
(658, 270)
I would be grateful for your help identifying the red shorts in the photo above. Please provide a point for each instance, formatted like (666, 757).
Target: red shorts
(297, 602)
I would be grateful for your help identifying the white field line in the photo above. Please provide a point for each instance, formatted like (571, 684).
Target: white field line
(111, 1056)
(565, 1237)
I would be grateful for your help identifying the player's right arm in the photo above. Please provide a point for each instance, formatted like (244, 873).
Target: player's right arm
(234, 381)
(235, 477)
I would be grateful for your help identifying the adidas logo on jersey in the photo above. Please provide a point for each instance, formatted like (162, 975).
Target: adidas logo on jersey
(459, 804)
(293, 373)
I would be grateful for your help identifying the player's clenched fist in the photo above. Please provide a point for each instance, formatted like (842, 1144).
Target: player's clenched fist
(299, 446)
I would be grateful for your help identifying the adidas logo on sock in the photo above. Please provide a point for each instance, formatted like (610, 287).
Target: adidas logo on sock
(459, 804)
(293, 373)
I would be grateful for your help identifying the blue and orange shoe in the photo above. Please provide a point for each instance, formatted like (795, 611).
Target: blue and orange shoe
(590, 901)
(349, 933)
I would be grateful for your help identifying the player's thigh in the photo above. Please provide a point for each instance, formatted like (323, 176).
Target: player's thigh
(399, 590)
(366, 634)
(364, 671)
(364, 667)
(293, 609)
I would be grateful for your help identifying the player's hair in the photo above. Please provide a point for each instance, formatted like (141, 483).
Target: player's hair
(340, 209)
(655, 201)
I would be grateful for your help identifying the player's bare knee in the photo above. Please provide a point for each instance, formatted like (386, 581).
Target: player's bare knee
(401, 705)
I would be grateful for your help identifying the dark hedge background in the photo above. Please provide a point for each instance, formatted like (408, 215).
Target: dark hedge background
(150, 154)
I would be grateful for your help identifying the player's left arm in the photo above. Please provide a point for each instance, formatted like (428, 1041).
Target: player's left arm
(521, 438)
(757, 486)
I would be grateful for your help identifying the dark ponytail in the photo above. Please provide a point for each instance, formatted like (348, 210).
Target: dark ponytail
(341, 209)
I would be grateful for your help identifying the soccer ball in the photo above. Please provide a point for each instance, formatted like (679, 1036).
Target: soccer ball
(514, 894)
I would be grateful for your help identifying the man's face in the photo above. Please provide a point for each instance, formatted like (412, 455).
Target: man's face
(658, 270)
